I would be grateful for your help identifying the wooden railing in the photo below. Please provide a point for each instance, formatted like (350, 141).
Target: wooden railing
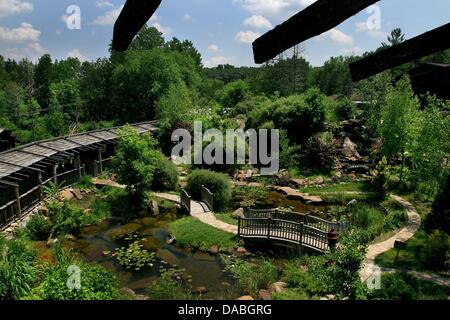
(8, 213)
(294, 233)
(207, 198)
(297, 217)
(185, 200)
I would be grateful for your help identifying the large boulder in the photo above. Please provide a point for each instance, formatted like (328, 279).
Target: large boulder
(239, 213)
(278, 287)
(66, 195)
(349, 150)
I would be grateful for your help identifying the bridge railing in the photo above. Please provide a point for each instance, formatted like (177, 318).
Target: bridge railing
(185, 200)
(297, 217)
(283, 230)
(207, 197)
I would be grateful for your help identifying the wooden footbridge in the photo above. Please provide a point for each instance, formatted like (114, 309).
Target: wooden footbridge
(25, 171)
(288, 228)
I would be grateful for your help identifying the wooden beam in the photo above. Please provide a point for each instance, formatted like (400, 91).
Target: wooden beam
(20, 166)
(9, 184)
(426, 44)
(133, 17)
(316, 19)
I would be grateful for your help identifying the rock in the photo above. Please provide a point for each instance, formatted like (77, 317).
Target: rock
(278, 287)
(127, 292)
(77, 194)
(143, 283)
(295, 195)
(299, 182)
(331, 297)
(245, 298)
(141, 297)
(70, 237)
(43, 211)
(214, 250)
(51, 242)
(351, 203)
(167, 256)
(349, 150)
(319, 180)
(200, 290)
(172, 239)
(239, 213)
(256, 185)
(264, 295)
(241, 250)
(87, 212)
(9, 230)
(225, 284)
(153, 207)
(66, 195)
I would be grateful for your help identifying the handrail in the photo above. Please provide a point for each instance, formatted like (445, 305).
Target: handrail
(207, 197)
(185, 200)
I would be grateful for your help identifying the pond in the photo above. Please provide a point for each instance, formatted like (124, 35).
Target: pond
(98, 242)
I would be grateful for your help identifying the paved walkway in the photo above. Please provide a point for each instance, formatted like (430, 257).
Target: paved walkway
(201, 212)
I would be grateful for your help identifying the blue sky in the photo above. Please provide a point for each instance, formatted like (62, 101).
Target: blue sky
(222, 30)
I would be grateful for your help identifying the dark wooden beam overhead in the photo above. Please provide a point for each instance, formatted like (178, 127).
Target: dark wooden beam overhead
(133, 17)
(421, 46)
(316, 19)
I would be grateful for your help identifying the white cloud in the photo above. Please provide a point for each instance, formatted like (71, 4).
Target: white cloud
(336, 36)
(352, 51)
(273, 7)
(31, 51)
(374, 33)
(9, 7)
(109, 18)
(104, 4)
(75, 53)
(164, 30)
(24, 33)
(258, 21)
(213, 48)
(187, 17)
(215, 61)
(247, 36)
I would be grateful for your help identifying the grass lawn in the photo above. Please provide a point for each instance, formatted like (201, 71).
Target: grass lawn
(227, 218)
(192, 233)
(341, 187)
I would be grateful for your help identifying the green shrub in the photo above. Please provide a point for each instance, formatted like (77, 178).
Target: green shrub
(401, 286)
(345, 109)
(251, 275)
(66, 218)
(38, 228)
(170, 286)
(17, 271)
(291, 295)
(434, 254)
(85, 183)
(165, 176)
(219, 184)
(367, 218)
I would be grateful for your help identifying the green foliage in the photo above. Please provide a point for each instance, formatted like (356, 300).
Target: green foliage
(219, 184)
(139, 165)
(435, 253)
(165, 176)
(439, 218)
(66, 218)
(97, 283)
(134, 256)
(171, 285)
(192, 233)
(251, 275)
(401, 286)
(337, 272)
(85, 183)
(38, 228)
(52, 189)
(233, 93)
(17, 271)
(345, 109)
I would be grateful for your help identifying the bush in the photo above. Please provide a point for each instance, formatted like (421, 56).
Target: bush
(252, 275)
(434, 254)
(367, 218)
(345, 109)
(38, 228)
(97, 283)
(170, 286)
(66, 218)
(219, 184)
(439, 218)
(17, 271)
(165, 176)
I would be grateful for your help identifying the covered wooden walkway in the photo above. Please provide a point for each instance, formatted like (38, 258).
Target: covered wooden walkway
(26, 170)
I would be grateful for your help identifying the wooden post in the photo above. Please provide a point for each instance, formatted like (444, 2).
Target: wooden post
(18, 206)
(41, 192)
(55, 173)
(269, 223)
(100, 161)
(302, 225)
(84, 169)
(78, 166)
(95, 168)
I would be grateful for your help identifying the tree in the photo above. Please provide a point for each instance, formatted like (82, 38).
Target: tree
(186, 47)
(233, 93)
(398, 124)
(148, 38)
(43, 76)
(334, 77)
(396, 37)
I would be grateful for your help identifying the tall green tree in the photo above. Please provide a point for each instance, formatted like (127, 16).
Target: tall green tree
(43, 77)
